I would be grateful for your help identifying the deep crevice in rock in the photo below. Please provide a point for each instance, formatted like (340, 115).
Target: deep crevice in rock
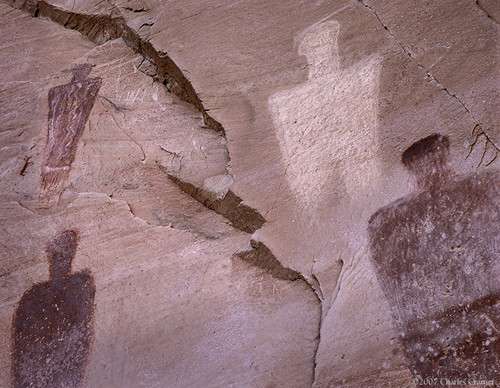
(230, 207)
(102, 28)
(261, 256)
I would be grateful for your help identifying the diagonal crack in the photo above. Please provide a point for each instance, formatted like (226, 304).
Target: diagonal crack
(143, 159)
(259, 255)
(102, 28)
(483, 8)
(431, 76)
(231, 207)
(478, 132)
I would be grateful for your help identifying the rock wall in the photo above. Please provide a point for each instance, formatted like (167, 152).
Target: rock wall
(249, 193)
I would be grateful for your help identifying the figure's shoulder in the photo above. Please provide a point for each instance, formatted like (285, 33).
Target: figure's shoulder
(490, 179)
(479, 187)
(82, 281)
(95, 82)
(459, 188)
(36, 293)
(32, 303)
(395, 210)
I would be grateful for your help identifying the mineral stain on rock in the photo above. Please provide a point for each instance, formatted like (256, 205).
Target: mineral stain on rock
(436, 254)
(69, 109)
(52, 324)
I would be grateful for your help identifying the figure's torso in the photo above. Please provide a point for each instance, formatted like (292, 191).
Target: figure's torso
(53, 324)
(437, 256)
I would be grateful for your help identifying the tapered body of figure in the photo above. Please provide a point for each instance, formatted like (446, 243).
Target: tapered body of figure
(437, 254)
(53, 323)
(69, 110)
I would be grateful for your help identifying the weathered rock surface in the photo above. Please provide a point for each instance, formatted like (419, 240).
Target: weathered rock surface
(237, 186)
(173, 305)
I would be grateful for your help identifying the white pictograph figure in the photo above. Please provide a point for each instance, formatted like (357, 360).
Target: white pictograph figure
(326, 127)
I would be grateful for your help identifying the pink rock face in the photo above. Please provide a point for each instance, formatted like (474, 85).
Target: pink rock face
(53, 322)
(193, 311)
(435, 262)
(69, 110)
(237, 185)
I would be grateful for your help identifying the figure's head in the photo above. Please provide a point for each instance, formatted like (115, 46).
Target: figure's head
(427, 159)
(61, 251)
(319, 45)
(81, 72)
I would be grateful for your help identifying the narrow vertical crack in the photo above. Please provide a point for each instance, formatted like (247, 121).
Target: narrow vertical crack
(318, 342)
(260, 256)
(158, 65)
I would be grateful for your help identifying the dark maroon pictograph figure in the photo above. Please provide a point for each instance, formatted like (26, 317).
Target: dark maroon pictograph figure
(69, 110)
(52, 326)
(437, 254)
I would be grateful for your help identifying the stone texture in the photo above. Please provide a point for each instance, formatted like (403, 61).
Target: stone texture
(173, 305)
(239, 148)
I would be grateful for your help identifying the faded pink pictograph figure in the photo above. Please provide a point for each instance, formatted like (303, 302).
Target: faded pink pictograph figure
(69, 110)
(326, 127)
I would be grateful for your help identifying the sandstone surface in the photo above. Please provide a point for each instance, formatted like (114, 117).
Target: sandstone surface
(235, 175)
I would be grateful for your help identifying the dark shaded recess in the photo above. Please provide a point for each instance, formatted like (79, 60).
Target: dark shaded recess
(231, 207)
(102, 28)
(139, 10)
(27, 163)
(261, 256)
(53, 323)
(436, 255)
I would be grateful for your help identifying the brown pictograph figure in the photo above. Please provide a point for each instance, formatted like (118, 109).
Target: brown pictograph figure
(436, 254)
(69, 110)
(52, 326)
